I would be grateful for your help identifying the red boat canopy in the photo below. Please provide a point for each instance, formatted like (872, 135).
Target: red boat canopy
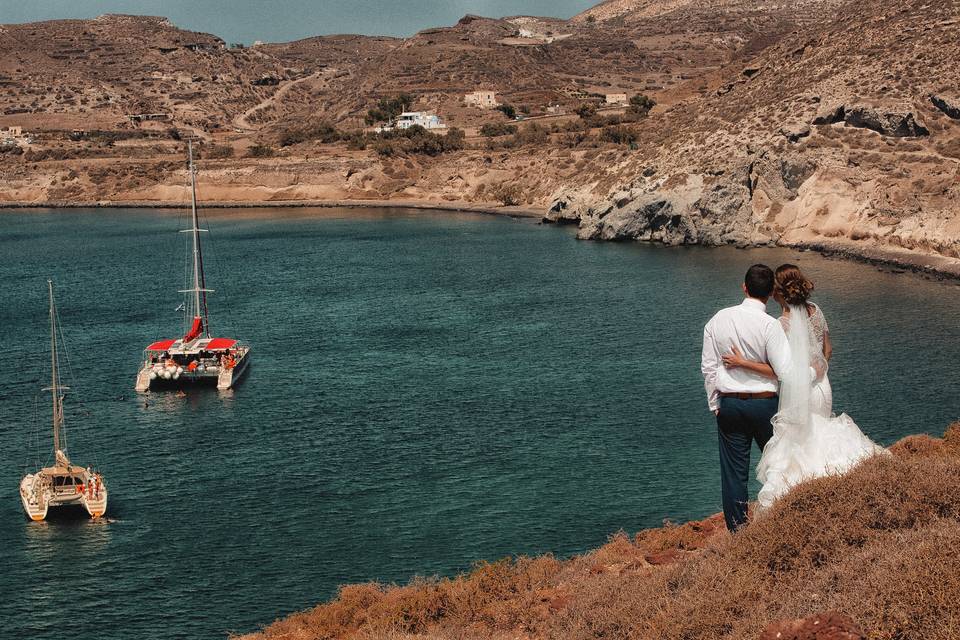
(194, 330)
(161, 345)
(218, 344)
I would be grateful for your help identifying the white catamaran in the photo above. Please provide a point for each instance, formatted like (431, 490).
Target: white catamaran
(63, 484)
(197, 357)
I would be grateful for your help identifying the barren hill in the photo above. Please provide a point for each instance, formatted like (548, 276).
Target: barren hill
(845, 134)
(113, 66)
(824, 122)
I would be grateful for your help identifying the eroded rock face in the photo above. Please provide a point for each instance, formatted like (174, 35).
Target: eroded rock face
(568, 207)
(711, 209)
(900, 124)
(735, 205)
(950, 105)
(897, 122)
(564, 210)
(829, 114)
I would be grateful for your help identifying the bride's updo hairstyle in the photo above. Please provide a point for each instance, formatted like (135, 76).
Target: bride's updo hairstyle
(791, 286)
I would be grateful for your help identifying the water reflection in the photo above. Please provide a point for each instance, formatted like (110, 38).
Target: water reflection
(66, 530)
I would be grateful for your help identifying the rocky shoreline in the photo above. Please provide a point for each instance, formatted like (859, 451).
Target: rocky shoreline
(934, 266)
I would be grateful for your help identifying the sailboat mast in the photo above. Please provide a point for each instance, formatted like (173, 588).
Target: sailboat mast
(55, 378)
(199, 284)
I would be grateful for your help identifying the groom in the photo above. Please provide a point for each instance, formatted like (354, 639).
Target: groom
(742, 400)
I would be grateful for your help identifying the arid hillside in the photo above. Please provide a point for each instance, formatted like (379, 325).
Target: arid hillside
(828, 123)
(114, 66)
(100, 71)
(866, 555)
(846, 134)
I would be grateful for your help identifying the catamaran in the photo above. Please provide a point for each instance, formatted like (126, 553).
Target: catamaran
(197, 357)
(64, 484)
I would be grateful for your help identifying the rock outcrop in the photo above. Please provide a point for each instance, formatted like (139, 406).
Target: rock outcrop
(897, 123)
(950, 105)
(815, 146)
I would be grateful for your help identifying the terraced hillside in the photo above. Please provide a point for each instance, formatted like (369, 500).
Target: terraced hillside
(831, 123)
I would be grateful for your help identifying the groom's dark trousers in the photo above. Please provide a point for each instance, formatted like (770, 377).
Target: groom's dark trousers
(740, 422)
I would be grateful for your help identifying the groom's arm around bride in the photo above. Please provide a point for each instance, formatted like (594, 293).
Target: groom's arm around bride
(744, 401)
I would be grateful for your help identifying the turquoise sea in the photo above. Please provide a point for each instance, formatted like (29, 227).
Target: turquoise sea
(427, 390)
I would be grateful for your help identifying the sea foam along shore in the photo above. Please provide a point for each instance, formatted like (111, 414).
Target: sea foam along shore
(871, 554)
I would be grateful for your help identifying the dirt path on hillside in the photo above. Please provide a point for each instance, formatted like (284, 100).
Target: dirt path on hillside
(241, 122)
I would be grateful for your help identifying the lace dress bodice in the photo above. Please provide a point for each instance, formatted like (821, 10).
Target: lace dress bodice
(822, 397)
(818, 331)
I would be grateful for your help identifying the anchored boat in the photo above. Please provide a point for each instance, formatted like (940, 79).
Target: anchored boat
(197, 357)
(64, 484)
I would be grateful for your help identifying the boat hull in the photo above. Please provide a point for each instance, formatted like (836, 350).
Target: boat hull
(149, 379)
(38, 501)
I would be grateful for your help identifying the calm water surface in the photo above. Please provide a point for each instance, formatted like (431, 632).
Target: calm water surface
(428, 390)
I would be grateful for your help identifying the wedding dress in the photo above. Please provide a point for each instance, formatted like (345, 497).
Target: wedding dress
(808, 440)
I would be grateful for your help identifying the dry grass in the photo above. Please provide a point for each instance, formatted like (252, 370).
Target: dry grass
(878, 545)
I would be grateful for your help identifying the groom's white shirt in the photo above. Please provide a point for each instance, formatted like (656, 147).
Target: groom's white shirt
(759, 337)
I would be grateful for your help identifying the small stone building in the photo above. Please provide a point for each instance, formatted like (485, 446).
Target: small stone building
(616, 98)
(482, 99)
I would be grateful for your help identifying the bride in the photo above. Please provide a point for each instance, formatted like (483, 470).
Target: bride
(808, 440)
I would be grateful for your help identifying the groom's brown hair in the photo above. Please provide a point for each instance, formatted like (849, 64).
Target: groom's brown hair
(759, 281)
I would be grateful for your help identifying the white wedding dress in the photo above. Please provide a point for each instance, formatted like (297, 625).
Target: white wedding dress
(808, 440)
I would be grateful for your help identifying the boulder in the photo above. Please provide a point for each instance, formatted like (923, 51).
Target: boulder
(829, 114)
(650, 218)
(950, 105)
(898, 124)
(567, 208)
(560, 213)
(795, 131)
(725, 89)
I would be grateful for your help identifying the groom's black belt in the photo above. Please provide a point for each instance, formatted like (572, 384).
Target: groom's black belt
(750, 396)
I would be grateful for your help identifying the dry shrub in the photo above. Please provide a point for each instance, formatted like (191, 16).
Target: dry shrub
(878, 544)
(811, 537)
(952, 437)
(689, 536)
(508, 594)
(509, 195)
(918, 445)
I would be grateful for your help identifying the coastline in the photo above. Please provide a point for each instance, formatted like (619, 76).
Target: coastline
(897, 261)
(935, 266)
(427, 205)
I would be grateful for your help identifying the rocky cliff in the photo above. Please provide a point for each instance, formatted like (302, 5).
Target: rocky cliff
(844, 134)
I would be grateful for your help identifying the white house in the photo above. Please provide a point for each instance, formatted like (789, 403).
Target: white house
(616, 98)
(482, 99)
(409, 119)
